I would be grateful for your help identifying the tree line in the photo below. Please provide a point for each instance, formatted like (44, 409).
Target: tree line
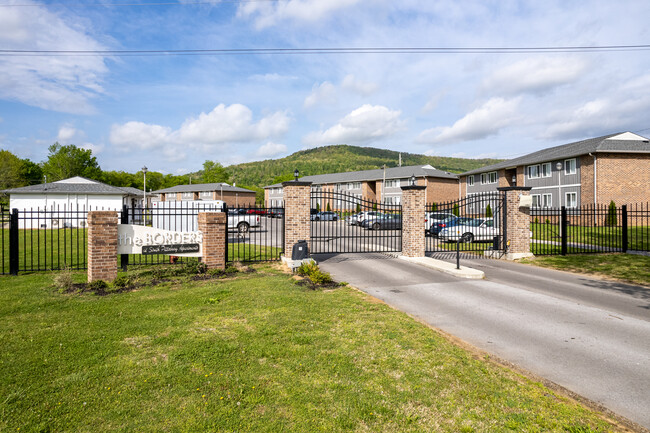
(68, 161)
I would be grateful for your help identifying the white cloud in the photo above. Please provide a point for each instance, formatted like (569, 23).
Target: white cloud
(535, 75)
(487, 120)
(270, 150)
(366, 123)
(69, 134)
(57, 83)
(321, 94)
(267, 14)
(223, 125)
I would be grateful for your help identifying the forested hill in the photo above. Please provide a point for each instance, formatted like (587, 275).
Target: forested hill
(340, 158)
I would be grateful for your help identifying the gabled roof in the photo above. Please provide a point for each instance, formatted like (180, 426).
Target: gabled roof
(73, 185)
(376, 174)
(621, 142)
(200, 187)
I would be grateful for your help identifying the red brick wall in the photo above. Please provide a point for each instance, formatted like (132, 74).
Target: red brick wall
(213, 227)
(413, 221)
(624, 178)
(297, 225)
(102, 245)
(441, 190)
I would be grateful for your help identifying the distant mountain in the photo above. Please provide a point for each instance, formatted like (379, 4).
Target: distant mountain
(340, 158)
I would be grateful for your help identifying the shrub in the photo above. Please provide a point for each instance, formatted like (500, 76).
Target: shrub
(328, 207)
(434, 207)
(98, 285)
(611, 220)
(456, 211)
(194, 267)
(311, 271)
(488, 211)
(63, 280)
(123, 281)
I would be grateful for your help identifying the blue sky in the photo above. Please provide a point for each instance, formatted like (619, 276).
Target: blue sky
(173, 112)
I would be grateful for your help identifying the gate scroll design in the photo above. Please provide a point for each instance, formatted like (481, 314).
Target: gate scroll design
(475, 224)
(344, 223)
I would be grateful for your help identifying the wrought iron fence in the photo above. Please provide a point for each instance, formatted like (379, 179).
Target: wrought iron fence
(52, 239)
(343, 223)
(590, 229)
(473, 224)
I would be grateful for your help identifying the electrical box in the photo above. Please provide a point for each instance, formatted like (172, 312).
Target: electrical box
(300, 251)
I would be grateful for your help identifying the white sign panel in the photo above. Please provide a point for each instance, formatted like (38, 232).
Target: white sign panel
(134, 239)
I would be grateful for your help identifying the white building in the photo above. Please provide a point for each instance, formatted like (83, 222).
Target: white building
(65, 203)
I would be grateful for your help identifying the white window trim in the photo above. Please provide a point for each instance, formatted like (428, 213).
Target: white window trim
(529, 170)
(485, 180)
(550, 200)
(575, 167)
(549, 173)
(470, 180)
(566, 200)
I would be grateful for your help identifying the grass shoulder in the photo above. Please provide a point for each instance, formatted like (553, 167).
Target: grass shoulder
(628, 268)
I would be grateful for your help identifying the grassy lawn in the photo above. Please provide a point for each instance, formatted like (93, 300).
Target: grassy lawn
(638, 236)
(255, 352)
(629, 268)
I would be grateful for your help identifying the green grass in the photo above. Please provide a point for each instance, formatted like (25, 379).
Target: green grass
(638, 236)
(630, 268)
(257, 353)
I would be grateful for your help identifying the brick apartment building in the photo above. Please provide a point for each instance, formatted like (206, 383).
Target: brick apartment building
(232, 195)
(593, 171)
(381, 185)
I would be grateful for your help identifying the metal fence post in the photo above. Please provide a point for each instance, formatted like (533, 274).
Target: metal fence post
(624, 228)
(124, 219)
(13, 242)
(225, 246)
(563, 230)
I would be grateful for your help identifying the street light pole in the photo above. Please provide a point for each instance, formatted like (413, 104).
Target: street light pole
(144, 195)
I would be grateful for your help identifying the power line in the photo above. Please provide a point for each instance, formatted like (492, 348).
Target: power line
(216, 2)
(341, 50)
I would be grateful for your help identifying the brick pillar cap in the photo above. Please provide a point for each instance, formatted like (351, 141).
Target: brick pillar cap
(413, 187)
(514, 188)
(296, 183)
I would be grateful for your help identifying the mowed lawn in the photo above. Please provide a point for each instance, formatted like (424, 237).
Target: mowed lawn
(254, 352)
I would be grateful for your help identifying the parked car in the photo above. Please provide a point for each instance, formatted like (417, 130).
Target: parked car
(383, 222)
(325, 216)
(276, 212)
(359, 218)
(242, 222)
(435, 228)
(478, 229)
(256, 211)
(434, 217)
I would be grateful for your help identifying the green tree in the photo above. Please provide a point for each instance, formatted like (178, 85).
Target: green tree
(120, 178)
(10, 170)
(456, 211)
(434, 207)
(328, 207)
(68, 161)
(31, 173)
(213, 172)
(611, 215)
(488, 211)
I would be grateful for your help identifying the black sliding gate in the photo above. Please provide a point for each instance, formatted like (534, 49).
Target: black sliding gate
(342, 223)
(475, 224)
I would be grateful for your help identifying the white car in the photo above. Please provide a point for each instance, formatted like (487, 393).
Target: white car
(476, 229)
(434, 217)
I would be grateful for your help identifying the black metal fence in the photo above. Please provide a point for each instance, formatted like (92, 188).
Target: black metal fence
(590, 229)
(343, 223)
(473, 224)
(53, 239)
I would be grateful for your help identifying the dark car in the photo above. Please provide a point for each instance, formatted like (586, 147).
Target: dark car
(383, 222)
(276, 212)
(451, 221)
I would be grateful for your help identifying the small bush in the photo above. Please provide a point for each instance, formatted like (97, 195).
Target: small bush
(311, 271)
(123, 281)
(193, 267)
(63, 280)
(488, 211)
(456, 210)
(98, 285)
(611, 215)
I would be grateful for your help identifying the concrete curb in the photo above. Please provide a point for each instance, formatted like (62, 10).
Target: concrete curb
(447, 268)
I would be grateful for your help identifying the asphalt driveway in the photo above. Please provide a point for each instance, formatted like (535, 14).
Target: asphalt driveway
(587, 335)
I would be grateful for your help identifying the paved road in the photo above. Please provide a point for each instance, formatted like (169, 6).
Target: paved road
(590, 336)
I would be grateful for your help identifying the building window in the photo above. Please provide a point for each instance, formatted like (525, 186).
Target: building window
(187, 195)
(205, 194)
(535, 200)
(546, 169)
(570, 166)
(547, 200)
(571, 199)
(470, 180)
(533, 171)
(170, 196)
(356, 185)
(487, 178)
(392, 183)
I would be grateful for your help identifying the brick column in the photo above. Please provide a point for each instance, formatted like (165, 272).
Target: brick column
(102, 245)
(213, 226)
(297, 224)
(413, 201)
(518, 223)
